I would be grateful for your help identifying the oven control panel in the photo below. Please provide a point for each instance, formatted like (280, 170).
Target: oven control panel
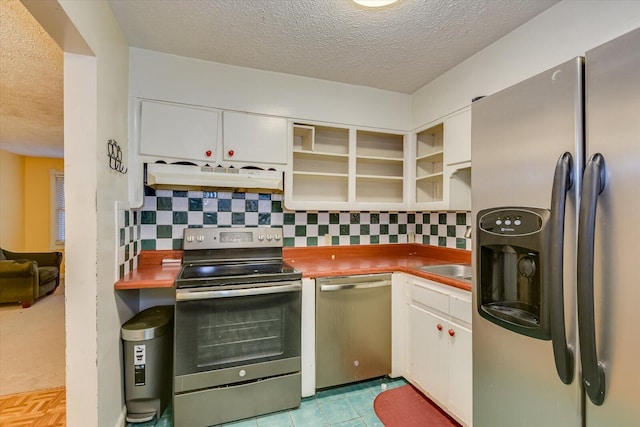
(231, 237)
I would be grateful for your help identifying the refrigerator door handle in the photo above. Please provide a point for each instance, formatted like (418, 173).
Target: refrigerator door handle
(593, 375)
(562, 183)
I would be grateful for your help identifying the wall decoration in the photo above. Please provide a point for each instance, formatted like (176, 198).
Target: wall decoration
(115, 157)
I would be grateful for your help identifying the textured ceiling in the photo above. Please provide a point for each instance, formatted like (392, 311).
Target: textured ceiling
(31, 85)
(400, 47)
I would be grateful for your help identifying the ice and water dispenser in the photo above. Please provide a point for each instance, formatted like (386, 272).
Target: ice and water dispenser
(511, 263)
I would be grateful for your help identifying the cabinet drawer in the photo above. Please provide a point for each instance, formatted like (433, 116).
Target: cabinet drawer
(460, 308)
(430, 297)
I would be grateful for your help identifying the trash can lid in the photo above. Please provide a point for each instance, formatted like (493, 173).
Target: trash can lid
(150, 323)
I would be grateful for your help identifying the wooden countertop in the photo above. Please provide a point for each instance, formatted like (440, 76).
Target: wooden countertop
(323, 261)
(320, 261)
(151, 273)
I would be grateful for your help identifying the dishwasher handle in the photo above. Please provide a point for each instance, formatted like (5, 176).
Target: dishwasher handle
(357, 285)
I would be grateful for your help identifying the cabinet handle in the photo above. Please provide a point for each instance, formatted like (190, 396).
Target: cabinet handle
(208, 153)
(452, 332)
(230, 153)
(439, 327)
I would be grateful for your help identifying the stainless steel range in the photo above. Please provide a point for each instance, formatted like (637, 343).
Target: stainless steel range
(237, 327)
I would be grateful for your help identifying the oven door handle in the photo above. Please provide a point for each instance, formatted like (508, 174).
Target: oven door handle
(362, 285)
(191, 295)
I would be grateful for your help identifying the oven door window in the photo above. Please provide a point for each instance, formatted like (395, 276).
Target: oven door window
(225, 332)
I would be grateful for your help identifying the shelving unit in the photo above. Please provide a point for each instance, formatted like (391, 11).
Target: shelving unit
(320, 163)
(429, 165)
(345, 168)
(379, 167)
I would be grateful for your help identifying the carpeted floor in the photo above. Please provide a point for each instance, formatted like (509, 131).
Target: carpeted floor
(32, 345)
(407, 407)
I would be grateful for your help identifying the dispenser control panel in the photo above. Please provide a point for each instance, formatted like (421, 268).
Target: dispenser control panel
(511, 222)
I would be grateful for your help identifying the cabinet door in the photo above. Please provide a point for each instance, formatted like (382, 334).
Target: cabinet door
(457, 138)
(460, 372)
(251, 138)
(428, 348)
(177, 131)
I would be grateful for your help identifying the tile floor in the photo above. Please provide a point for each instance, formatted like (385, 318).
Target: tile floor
(347, 406)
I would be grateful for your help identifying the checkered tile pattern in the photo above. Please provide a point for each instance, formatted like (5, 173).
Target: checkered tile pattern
(167, 213)
(444, 229)
(128, 240)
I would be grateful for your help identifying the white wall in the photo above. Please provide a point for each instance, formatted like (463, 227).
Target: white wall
(167, 77)
(562, 32)
(96, 90)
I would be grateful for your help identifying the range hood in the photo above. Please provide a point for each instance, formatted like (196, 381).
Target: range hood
(191, 177)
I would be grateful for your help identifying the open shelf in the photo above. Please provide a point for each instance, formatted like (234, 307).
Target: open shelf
(345, 167)
(376, 189)
(380, 167)
(378, 144)
(429, 165)
(434, 177)
(320, 162)
(303, 138)
(331, 140)
(320, 188)
(428, 191)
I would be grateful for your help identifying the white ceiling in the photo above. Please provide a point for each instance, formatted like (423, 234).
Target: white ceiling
(31, 90)
(399, 48)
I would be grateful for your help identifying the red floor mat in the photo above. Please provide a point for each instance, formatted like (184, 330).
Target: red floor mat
(407, 407)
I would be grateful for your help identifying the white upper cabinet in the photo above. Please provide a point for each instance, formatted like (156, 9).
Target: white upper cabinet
(177, 131)
(252, 138)
(457, 134)
(442, 174)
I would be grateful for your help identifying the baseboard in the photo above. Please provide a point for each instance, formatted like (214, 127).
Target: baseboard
(122, 419)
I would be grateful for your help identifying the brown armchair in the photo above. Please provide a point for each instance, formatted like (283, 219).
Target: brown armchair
(27, 276)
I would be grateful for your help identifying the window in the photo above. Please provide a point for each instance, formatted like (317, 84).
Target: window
(57, 208)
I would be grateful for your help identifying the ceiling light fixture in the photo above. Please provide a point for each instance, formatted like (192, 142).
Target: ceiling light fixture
(374, 3)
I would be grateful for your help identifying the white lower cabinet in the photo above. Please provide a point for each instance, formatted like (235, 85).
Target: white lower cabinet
(439, 359)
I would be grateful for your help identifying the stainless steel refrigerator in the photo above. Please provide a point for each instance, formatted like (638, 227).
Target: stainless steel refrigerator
(556, 202)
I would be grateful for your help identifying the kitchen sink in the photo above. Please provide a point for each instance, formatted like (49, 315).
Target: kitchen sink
(461, 272)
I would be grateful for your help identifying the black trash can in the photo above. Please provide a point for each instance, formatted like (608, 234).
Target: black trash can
(147, 340)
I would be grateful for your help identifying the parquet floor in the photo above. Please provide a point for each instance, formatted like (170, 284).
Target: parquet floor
(34, 409)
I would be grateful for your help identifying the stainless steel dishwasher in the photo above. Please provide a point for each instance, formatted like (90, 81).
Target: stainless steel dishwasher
(353, 328)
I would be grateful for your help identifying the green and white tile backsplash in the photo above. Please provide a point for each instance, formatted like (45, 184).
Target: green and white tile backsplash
(128, 240)
(159, 224)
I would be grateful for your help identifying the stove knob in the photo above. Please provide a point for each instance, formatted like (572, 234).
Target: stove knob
(277, 237)
(200, 238)
(269, 237)
(190, 238)
(260, 237)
